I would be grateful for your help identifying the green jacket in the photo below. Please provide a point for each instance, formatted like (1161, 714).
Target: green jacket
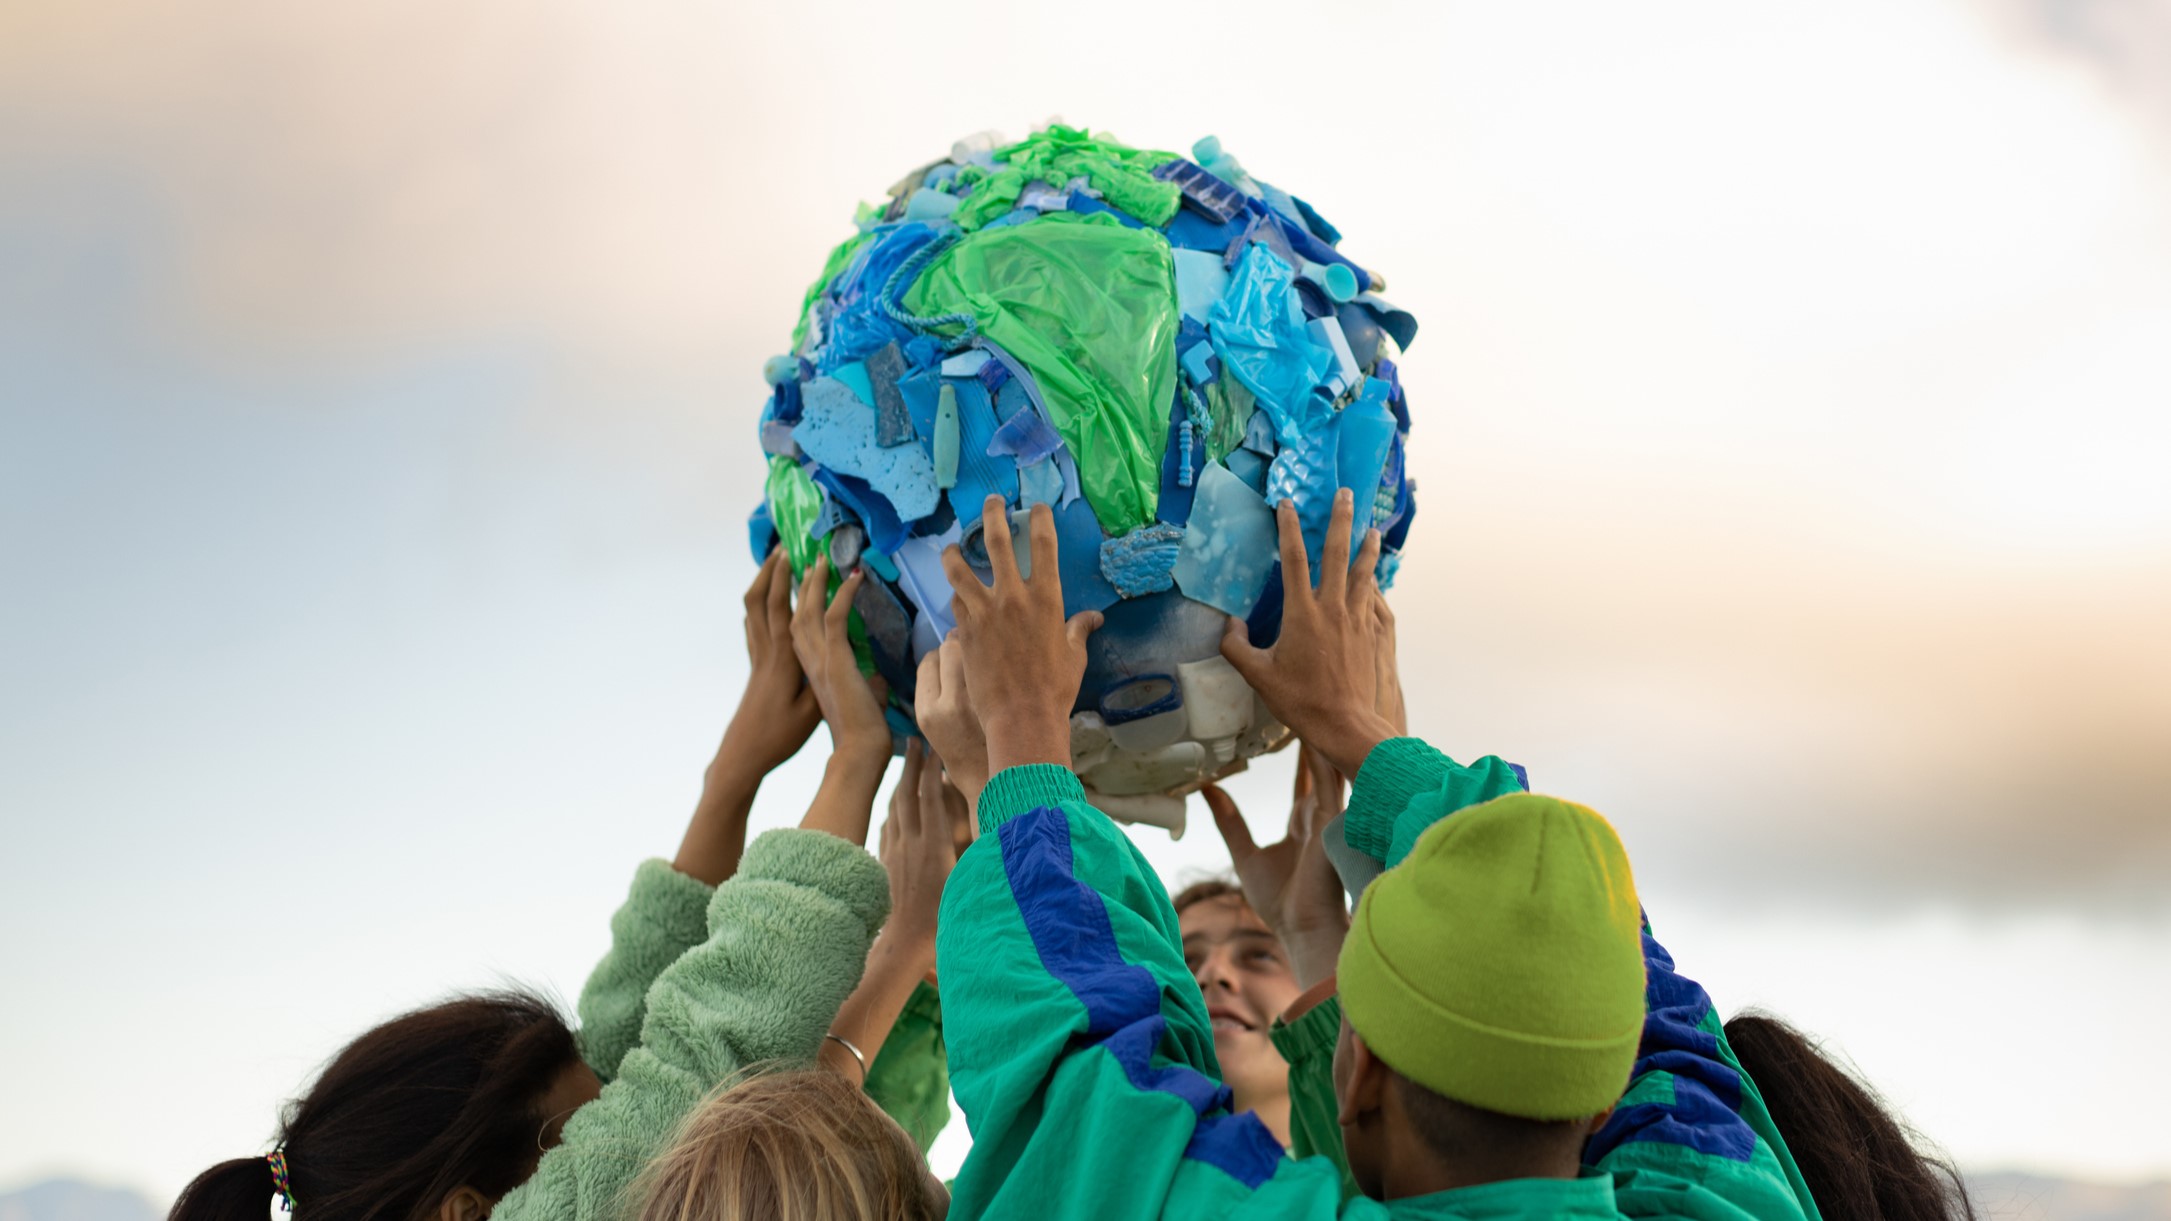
(786, 942)
(1081, 1053)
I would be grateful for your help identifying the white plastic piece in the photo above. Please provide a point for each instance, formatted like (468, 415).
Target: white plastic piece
(1215, 697)
(1147, 809)
(1126, 774)
(1148, 734)
(965, 363)
(1089, 742)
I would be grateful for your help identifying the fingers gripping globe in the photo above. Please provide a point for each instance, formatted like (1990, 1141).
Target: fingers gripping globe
(1159, 348)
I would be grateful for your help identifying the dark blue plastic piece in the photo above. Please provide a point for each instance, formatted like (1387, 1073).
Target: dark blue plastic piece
(979, 475)
(884, 530)
(784, 403)
(992, 375)
(1192, 231)
(1362, 332)
(858, 326)
(1213, 198)
(1399, 323)
(1318, 224)
(1135, 699)
(1387, 372)
(1179, 476)
(893, 422)
(1264, 624)
(889, 634)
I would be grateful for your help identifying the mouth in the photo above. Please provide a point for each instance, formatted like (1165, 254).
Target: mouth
(1227, 1022)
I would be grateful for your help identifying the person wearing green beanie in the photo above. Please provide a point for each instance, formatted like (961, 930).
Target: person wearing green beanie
(1503, 965)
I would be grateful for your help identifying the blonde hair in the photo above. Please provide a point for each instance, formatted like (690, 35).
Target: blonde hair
(800, 1145)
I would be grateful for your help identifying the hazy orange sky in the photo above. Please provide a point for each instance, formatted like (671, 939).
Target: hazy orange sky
(1792, 437)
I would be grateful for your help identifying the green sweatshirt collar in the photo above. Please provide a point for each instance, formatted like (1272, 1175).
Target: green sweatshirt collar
(1589, 1198)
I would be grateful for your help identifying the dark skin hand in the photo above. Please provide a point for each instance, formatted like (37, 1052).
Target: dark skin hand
(777, 714)
(1291, 884)
(853, 707)
(1321, 676)
(1022, 660)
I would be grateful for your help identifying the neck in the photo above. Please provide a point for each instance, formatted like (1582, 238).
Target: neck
(1422, 1175)
(1272, 1110)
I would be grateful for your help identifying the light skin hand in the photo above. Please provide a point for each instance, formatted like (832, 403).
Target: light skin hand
(1023, 661)
(943, 707)
(859, 736)
(777, 713)
(918, 850)
(1320, 676)
(1291, 884)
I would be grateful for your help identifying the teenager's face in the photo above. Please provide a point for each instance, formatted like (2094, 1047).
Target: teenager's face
(1246, 979)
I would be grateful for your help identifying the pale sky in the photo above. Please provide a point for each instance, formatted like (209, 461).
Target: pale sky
(377, 433)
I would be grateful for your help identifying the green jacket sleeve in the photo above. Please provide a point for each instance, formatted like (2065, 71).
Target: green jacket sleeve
(910, 1076)
(1406, 786)
(1080, 1049)
(1308, 1045)
(788, 938)
(665, 915)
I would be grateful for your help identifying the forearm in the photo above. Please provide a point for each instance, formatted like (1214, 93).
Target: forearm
(895, 967)
(716, 834)
(845, 801)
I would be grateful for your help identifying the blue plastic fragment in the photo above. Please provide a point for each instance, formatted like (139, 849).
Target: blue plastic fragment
(1367, 437)
(837, 430)
(1026, 436)
(857, 323)
(1087, 205)
(827, 518)
(926, 205)
(1180, 462)
(1212, 197)
(1142, 561)
(1137, 698)
(1327, 333)
(1228, 546)
(885, 531)
(784, 403)
(1041, 197)
(1259, 434)
(1316, 223)
(889, 634)
(1386, 370)
(1078, 538)
(1249, 467)
(1259, 332)
(1305, 474)
(1199, 363)
(780, 369)
(993, 374)
(893, 422)
(979, 475)
(920, 574)
(1361, 331)
(776, 439)
(1397, 322)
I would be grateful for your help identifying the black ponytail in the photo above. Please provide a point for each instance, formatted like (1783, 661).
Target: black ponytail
(239, 1190)
(429, 1102)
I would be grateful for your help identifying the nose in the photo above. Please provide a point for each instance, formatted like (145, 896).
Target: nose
(1213, 970)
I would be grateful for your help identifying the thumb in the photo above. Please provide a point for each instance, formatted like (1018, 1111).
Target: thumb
(1082, 625)
(1229, 821)
(1236, 645)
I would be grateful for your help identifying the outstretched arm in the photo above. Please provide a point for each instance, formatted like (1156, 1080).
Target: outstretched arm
(666, 912)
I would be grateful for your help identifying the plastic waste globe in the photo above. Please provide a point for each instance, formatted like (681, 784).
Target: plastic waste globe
(1156, 347)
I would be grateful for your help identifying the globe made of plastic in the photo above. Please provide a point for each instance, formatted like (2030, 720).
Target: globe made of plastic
(1158, 348)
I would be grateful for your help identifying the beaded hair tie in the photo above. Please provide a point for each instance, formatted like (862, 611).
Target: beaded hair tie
(277, 1158)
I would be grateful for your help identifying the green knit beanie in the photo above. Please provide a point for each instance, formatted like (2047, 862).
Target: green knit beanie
(1501, 963)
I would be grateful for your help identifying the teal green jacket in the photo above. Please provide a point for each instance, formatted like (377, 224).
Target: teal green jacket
(780, 947)
(1081, 1053)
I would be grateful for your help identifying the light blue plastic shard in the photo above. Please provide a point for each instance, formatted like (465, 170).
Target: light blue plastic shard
(1259, 434)
(1040, 484)
(837, 430)
(1257, 328)
(1197, 363)
(978, 475)
(1142, 561)
(1229, 547)
(1327, 333)
(1068, 468)
(930, 206)
(1041, 197)
(965, 363)
(1249, 467)
(1200, 281)
(1367, 429)
(945, 438)
(855, 376)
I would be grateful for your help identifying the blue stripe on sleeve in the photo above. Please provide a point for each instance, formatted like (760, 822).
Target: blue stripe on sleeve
(1068, 922)
(1705, 1114)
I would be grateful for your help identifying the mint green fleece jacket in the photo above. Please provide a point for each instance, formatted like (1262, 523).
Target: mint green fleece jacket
(786, 940)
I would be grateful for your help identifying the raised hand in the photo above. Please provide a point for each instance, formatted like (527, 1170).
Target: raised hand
(777, 713)
(1023, 661)
(820, 637)
(1291, 884)
(1320, 677)
(943, 707)
(1387, 671)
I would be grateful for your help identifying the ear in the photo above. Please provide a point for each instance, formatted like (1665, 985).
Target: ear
(1363, 1079)
(463, 1204)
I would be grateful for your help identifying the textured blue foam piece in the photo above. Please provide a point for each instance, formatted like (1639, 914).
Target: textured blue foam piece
(837, 430)
(1140, 562)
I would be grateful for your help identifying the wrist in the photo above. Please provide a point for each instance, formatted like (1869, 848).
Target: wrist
(1017, 739)
(1348, 740)
(856, 766)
